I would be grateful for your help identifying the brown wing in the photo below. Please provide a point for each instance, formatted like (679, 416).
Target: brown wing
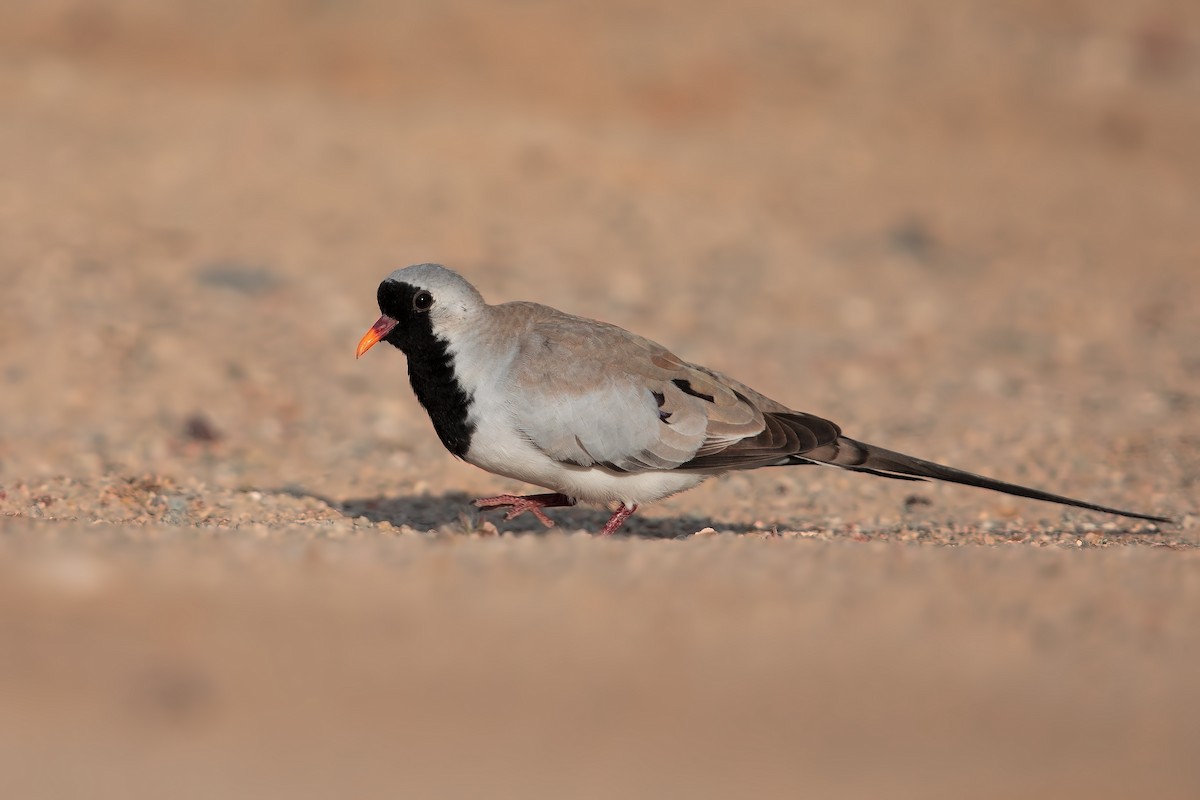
(601, 395)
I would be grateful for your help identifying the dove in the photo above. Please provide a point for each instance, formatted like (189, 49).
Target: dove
(599, 415)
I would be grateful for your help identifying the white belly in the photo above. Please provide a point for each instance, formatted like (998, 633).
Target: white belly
(500, 449)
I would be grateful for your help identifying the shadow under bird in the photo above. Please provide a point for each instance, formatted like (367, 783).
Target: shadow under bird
(598, 414)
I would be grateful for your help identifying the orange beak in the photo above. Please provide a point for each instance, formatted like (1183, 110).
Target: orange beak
(382, 327)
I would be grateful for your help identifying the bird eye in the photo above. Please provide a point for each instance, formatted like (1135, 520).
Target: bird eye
(422, 301)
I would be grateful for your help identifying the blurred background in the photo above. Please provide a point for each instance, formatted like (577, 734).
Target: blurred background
(849, 206)
(967, 231)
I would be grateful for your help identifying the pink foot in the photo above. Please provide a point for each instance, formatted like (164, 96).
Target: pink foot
(533, 503)
(617, 520)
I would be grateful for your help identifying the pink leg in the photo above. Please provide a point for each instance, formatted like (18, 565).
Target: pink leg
(617, 520)
(533, 503)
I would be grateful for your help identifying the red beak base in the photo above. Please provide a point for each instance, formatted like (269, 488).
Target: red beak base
(382, 327)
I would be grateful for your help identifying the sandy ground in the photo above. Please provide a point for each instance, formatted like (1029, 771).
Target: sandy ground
(236, 562)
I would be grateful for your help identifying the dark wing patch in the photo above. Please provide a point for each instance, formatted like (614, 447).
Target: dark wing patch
(686, 387)
(663, 416)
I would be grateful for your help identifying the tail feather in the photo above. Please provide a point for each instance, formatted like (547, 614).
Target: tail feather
(861, 457)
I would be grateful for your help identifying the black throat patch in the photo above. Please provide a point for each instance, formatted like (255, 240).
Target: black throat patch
(430, 367)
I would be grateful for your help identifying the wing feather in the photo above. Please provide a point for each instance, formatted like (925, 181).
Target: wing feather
(599, 395)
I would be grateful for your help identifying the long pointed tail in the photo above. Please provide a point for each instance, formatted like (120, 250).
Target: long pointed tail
(861, 457)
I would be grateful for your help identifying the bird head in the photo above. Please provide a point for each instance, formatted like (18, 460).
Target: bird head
(420, 303)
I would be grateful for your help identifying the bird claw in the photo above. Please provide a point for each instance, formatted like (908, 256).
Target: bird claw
(519, 504)
(534, 503)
